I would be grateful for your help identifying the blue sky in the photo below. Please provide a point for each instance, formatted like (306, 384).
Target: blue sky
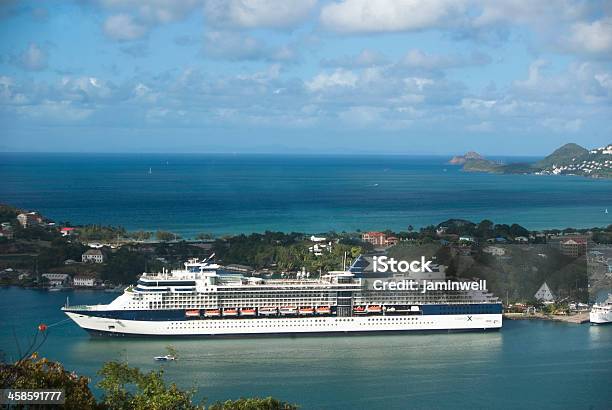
(513, 77)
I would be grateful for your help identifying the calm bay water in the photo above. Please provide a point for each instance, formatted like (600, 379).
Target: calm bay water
(527, 364)
(245, 193)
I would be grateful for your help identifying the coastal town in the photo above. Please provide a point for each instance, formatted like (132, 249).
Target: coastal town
(537, 274)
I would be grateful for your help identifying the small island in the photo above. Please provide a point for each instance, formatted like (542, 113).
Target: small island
(570, 159)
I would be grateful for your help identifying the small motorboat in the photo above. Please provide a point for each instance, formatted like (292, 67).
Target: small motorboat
(166, 358)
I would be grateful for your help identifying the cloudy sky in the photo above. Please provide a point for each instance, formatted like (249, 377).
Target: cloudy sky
(305, 76)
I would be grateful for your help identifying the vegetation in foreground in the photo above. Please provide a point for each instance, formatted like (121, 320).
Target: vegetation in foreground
(123, 387)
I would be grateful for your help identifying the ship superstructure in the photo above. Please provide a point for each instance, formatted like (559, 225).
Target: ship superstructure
(203, 300)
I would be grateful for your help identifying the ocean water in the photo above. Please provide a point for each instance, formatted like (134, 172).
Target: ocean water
(528, 364)
(224, 194)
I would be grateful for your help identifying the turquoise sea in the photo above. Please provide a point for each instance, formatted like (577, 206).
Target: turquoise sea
(220, 194)
(528, 364)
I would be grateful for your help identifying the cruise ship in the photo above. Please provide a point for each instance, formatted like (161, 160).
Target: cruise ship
(601, 313)
(203, 300)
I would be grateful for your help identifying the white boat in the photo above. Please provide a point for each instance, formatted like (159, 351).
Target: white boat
(165, 358)
(601, 313)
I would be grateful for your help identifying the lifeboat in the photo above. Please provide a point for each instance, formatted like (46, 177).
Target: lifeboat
(192, 313)
(306, 311)
(323, 310)
(212, 313)
(230, 312)
(360, 310)
(374, 309)
(267, 311)
(247, 312)
(288, 310)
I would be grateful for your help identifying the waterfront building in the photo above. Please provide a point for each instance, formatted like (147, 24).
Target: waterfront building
(57, 279)
(84, 281)
(544, 294)
(93, 256)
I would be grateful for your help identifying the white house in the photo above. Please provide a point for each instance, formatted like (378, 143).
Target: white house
(94, 256)
(317, 239)
(494, 250)
(56, 279)
(84, 281)
(544, 294)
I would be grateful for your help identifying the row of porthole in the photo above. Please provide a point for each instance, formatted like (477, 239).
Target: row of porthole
(260, 326)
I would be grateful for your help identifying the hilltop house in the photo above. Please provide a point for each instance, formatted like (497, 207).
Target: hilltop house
(379, 239)
(29, 219)
(573, 247)
(93, 256)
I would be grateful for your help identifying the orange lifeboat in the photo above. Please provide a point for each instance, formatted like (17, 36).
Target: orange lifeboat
(247, 312)
(192, 313)
(374, 309)
(306, 311)
(212, 313)
(360, 310)
(323, 310)
(230, 312)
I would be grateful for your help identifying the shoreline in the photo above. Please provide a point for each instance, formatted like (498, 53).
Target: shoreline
(578, 318)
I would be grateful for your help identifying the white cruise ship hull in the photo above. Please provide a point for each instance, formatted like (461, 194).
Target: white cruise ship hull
(278, 326)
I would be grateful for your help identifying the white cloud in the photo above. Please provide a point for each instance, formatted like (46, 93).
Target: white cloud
(366, 58)
(592, 38)
(154, 11)
(33, 58)
(123, 27)
(231, 45)
(257, 13)
(354, 16)
(420, 59)
(339, 78)
(562, 124)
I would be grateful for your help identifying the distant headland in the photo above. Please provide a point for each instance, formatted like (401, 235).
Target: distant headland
(570, 159)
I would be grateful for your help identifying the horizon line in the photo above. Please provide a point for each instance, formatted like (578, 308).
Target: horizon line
(289, 153)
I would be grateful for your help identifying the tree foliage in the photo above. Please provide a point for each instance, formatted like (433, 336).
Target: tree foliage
(256, 403)
(35, 373)
(129, 388)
